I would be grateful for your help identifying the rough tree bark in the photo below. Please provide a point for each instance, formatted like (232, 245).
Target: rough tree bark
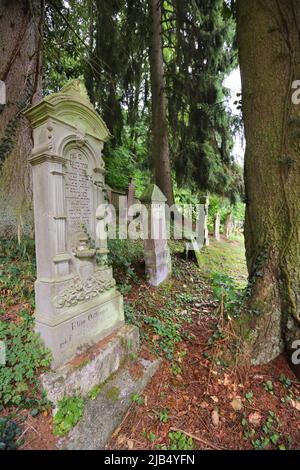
(160, 143)
(269, 51)
(20, 69)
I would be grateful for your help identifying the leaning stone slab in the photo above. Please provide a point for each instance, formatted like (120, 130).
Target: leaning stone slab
(104, 414)
(93, 367)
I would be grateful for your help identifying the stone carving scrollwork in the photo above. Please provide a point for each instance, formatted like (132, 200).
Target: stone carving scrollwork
(83, 291)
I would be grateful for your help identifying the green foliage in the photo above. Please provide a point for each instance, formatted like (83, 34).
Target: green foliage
(168, 332)
(285, 381)
(138, 399)
(164, 415)
(201, 125)
(179, 441)
(128, 160)
(70, 410)
(122, 256)
(17, 271)
(249, 396)
(113, 58)
(25, 356)
(25, 353)
(268, 386)
(9, 432)
(223, 205)
(269, 433)
(226, 291)
(94, 392)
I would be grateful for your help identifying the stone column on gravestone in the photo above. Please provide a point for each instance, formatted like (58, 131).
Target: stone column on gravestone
(157, 255)
(217, 226)
(77, 303)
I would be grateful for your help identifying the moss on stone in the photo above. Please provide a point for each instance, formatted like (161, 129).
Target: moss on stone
(113, 393)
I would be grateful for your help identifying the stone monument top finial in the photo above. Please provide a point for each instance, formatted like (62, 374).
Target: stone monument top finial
(72, 106)
(76, 87)
(153, 194)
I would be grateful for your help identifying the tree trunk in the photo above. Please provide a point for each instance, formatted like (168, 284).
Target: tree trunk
(269, 51)
(20, 70)
(160, 143)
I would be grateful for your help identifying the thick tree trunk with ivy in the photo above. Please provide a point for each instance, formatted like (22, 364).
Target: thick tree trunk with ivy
(160, 142)
(20, 69)
(269, 51)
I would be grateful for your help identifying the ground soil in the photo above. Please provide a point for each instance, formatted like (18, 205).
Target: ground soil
(221, 407)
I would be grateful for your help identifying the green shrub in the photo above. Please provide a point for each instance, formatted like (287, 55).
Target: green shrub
(9, 431)
(25, 358)
(70, 410)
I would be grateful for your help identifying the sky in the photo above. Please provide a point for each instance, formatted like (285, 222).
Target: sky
(233, 82)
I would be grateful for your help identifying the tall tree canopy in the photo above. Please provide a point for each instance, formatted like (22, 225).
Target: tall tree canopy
(108, 42)
(201, 54)
(198, 50)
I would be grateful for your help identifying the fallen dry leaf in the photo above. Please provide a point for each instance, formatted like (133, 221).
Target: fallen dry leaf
(204, 405)
(130, 444)
(237, 404)
(227, 381)
(295, 404)
(215, 418)
(255, 418)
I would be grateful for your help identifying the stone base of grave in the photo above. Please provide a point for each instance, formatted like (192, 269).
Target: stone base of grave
(93, 367)
(84, 327)
(103, 415)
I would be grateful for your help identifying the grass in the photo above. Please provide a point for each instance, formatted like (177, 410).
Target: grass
(226, 257)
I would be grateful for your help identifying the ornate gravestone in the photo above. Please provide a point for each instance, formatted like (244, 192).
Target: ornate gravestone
(157, 255)
(77, 303)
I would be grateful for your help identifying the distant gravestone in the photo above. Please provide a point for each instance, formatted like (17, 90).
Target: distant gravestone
(201, 238)
(217, 226)
(202, 227)
(77, 303)
(2, 93)
(157, 255)
(131, 197)
(229, 225)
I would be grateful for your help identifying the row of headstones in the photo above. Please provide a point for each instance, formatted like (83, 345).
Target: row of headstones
(229, 226)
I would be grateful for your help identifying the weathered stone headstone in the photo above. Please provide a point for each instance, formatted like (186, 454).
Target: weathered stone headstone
(2, 93)
(131, 197)
(157, 255)
(217, 226)
(77, 303)
(201, 239)
(229, 225)
(202, 227)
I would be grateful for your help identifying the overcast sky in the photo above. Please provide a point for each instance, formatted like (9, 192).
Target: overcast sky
(233, 82)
